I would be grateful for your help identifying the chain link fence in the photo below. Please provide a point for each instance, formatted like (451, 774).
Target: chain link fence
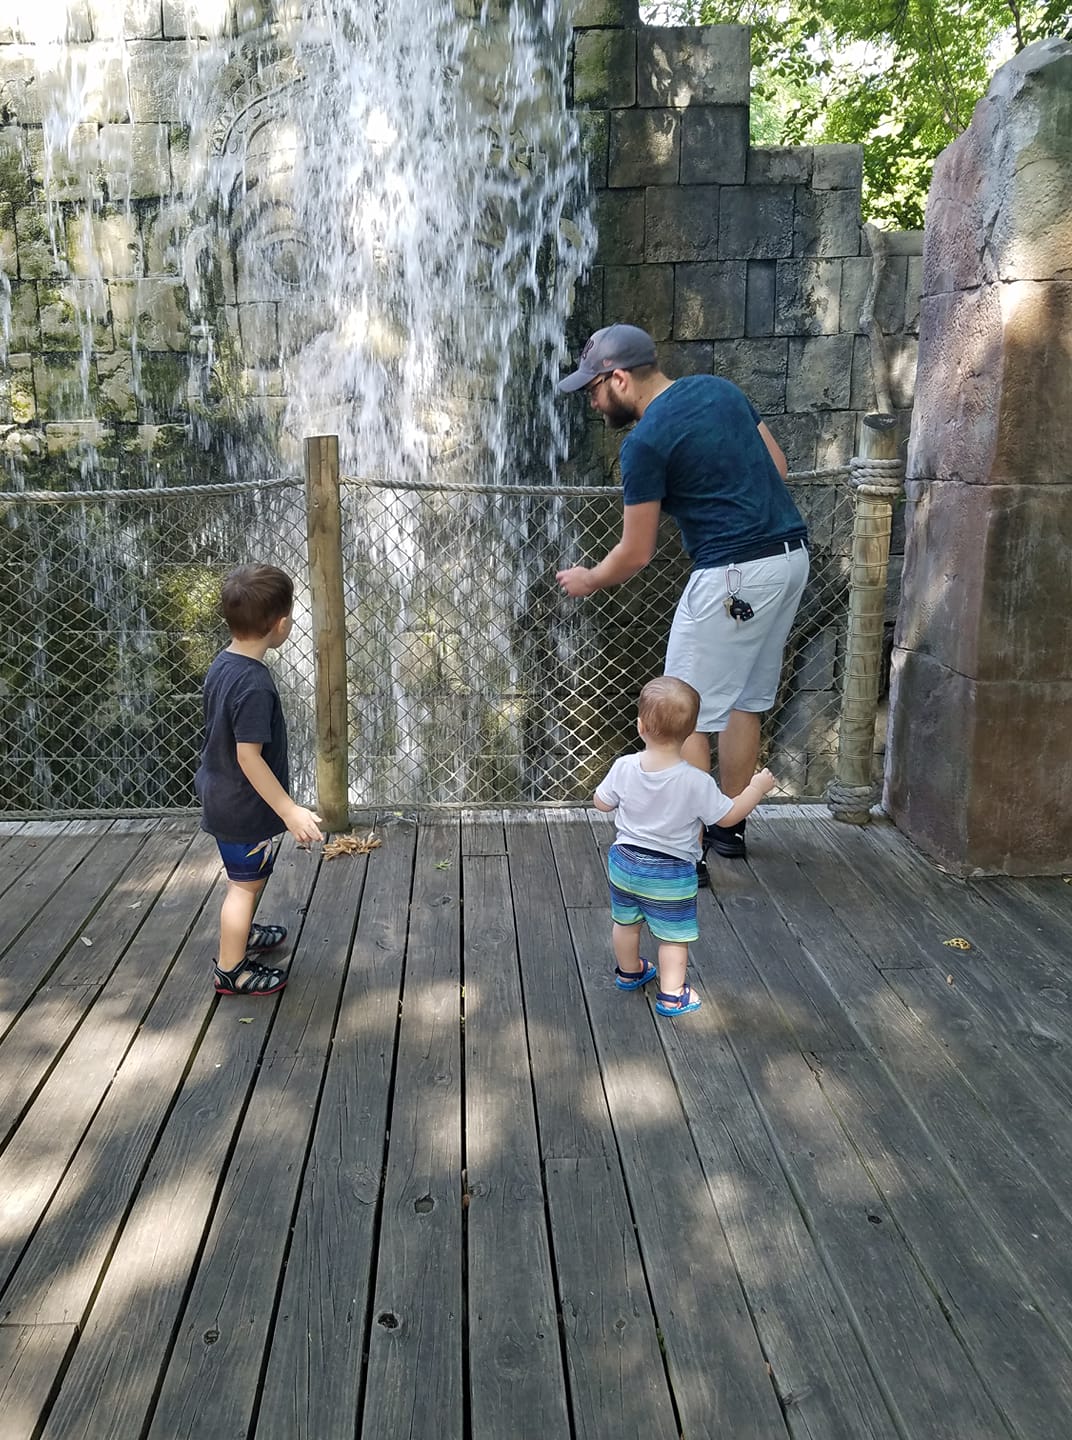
(471, 680)
(474, 681)
(109, 605)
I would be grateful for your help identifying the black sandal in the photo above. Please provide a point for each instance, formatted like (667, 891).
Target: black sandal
(250, 980)
(265, 937)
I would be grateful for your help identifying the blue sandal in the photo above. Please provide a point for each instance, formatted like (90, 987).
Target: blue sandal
(683, 1004)
(634, 979)
(265, 937)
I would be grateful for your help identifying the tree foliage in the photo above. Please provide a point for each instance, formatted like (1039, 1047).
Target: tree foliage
(899, 76)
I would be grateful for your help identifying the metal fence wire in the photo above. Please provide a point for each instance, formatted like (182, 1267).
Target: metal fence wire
(109, 604)
(472, 681)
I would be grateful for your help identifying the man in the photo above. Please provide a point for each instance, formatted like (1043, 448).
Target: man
(701, 452)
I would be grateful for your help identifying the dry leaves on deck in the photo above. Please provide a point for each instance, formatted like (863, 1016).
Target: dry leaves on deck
(352, 845)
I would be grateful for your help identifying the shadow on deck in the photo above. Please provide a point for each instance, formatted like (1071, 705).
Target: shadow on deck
(453, 1184)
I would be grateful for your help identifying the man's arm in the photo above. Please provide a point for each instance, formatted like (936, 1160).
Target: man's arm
(640, 534)
(776, 452)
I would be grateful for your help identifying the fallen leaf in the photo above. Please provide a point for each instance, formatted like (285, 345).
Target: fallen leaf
(444, 864)
(85, 940)
(135, 906)
(958, 943)
(352, 845)
(949, 979)
(246, 1020)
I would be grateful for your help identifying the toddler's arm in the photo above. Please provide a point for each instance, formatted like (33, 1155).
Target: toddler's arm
(602, 804)
(302, 823)
(761, 783)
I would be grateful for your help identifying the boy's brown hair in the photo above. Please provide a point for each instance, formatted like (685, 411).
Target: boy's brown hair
(668, 709)
(253, 598)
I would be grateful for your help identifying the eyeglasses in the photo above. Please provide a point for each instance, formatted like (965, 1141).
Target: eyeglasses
(594, 386)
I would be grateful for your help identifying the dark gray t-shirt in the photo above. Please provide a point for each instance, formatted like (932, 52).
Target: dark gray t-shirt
(697, 449)
(241, 707)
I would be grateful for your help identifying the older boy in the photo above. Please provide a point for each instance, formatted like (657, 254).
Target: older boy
(243, 777)
(662, 801)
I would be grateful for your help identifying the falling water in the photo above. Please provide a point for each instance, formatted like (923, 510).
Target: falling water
(351, 217)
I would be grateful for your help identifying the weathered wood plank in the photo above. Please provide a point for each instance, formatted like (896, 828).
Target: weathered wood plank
(953, 908)
(312, 1384)
(1000, 1042)
(54, 863)
(982, 1149)
(128, 1335)
(1001, 1319)
(415, 1383)
(1017, 1064)
(1052, 892)
(516, 1381)
(483, 832)
(213, 1375)
(582, 869)
(899, 1323)
(46, 1024)
(31, 1358)
(618, 1383)
(15, 856)
(1014, 970)
(118, 1062)
(570, 1102)
(818, 1365)
(37, 952)
(1047, 925)
(1026, 1011)
(699, 1304)
(801, 991)
(852, 893)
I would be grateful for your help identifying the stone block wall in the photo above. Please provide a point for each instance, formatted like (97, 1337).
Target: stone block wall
(980, 766)
(743, 261)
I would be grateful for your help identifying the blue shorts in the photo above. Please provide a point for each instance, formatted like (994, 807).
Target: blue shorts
(660, 889)
(245, 861)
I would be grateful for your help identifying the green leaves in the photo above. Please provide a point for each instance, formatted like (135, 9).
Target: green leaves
(900, 77)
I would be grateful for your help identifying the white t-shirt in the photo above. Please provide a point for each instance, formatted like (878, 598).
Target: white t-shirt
(662, 809)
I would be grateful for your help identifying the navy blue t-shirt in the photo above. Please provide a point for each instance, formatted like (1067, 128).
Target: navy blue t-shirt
(241, 706)
(698, 450)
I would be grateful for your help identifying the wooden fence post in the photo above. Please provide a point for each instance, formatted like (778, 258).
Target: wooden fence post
(876, 478)
(324, 522)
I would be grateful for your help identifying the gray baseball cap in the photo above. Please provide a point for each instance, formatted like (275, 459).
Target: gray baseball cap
(617, 347)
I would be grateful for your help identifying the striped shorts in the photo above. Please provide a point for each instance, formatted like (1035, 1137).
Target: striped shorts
(660, 889)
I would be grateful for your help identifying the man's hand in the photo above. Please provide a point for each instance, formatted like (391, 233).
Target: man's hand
(577, 581)
(303, 825)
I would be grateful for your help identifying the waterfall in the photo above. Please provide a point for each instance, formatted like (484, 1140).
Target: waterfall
(250, 225)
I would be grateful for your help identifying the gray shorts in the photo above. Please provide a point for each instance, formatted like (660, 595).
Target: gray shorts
(736, 664)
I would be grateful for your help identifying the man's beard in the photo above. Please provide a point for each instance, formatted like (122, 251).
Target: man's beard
(618, 414)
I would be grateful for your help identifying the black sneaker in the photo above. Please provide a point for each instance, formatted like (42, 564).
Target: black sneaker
(703, 879)
(729, 844)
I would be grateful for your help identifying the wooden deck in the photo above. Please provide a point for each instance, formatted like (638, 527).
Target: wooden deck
(453, 1184)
